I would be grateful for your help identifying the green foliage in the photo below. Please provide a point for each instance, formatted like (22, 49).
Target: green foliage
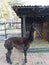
(17, 64)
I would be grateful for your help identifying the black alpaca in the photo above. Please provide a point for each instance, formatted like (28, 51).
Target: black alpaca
(18, 43)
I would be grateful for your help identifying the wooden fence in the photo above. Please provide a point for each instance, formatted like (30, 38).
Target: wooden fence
(10, 28)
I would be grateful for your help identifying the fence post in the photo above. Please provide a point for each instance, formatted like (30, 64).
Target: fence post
(5, 32)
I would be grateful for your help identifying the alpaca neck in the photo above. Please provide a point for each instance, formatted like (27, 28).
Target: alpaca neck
(31, 35)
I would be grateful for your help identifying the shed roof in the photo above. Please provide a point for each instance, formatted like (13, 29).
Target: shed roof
(31, 10)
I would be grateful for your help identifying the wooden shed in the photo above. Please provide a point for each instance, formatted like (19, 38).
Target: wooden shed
(38, 15)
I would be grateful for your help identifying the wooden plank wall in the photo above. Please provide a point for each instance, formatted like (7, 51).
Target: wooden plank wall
(45, 30)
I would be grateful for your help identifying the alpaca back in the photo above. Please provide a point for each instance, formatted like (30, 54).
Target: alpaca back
(16, 42)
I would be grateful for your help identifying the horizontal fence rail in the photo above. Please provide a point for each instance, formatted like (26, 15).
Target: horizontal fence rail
(37, 50)
(11, 23)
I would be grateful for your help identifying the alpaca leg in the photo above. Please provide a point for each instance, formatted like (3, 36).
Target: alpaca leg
(8, 55)
(25, 54)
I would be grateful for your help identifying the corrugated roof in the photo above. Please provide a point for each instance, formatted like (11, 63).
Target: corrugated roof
(31, 6)
(42, 10)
